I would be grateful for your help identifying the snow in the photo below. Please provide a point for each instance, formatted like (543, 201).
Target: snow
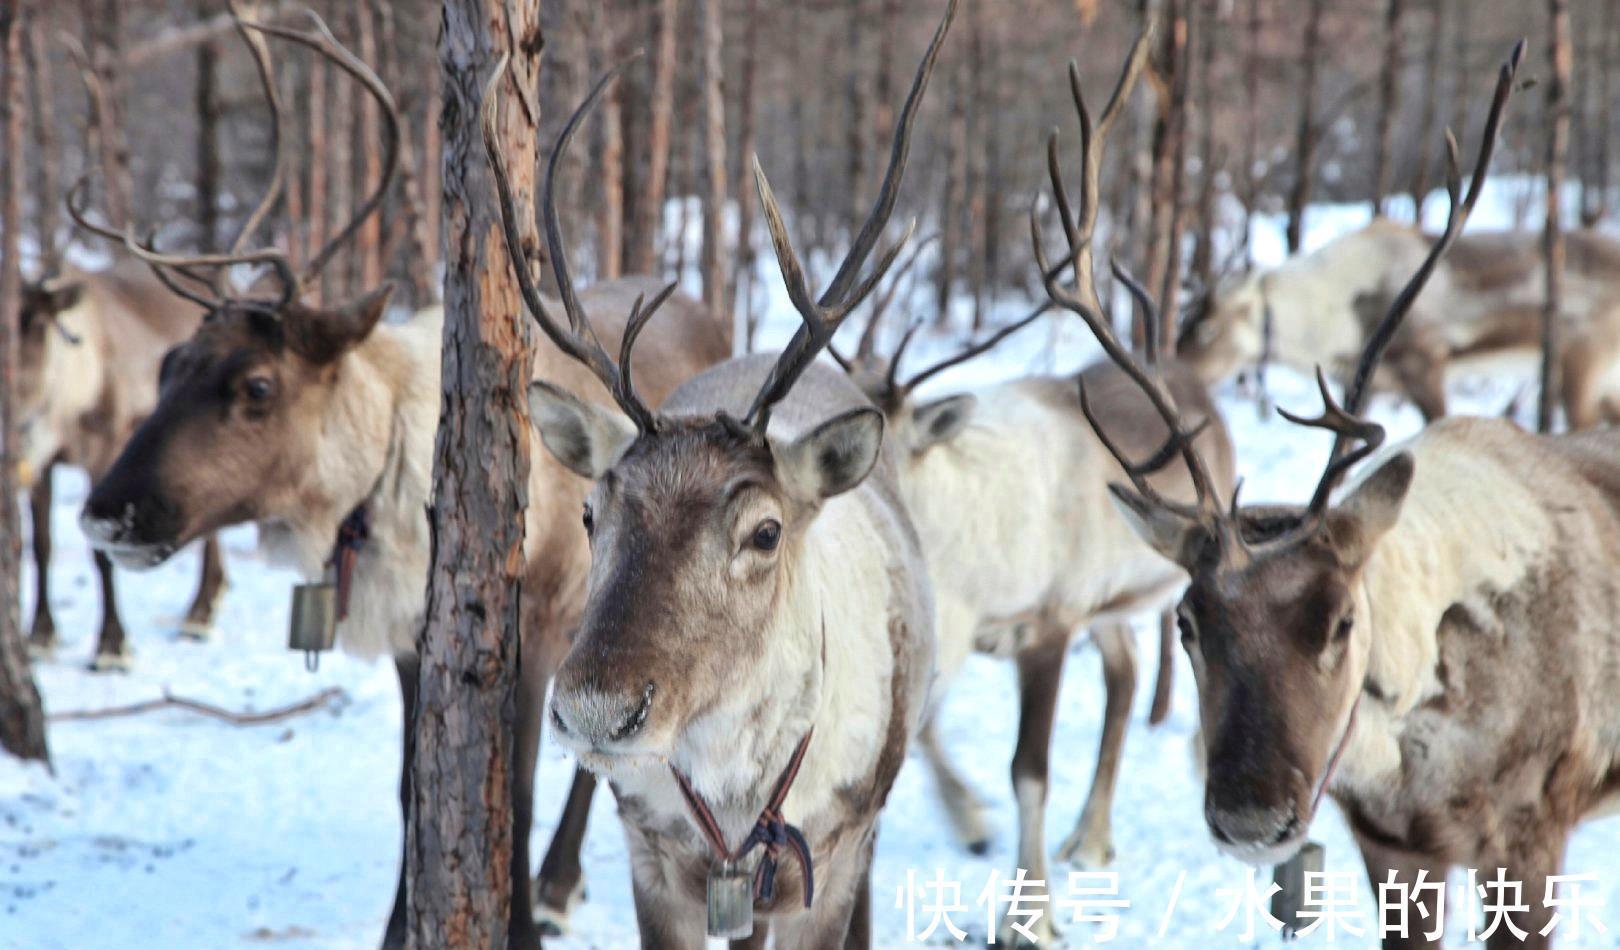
(171, 830)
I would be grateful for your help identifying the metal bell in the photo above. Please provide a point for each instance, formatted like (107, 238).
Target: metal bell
(731, 901)
(313, 627)
(1288, 903)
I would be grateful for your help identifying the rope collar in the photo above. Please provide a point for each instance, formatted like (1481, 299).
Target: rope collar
(1338, 753)
(771, 830)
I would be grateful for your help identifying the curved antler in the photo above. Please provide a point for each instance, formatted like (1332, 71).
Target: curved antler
(822, 317)
(578, 340)
(1345, 421)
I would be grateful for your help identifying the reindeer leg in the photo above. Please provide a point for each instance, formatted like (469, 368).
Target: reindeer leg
(42, 634)
(1164, 683)
(963, 806)
(859, 934)
(1092, 842)
(665, 920)
(406, 666)
(199, 622)
(1040, 674)
(112, 652)
(561, 884)
(1423, 909)
(1536, 855)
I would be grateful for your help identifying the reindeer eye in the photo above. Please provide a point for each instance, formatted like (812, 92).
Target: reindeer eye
(767, 535)
(589, 519)
(1341, 630)
(258, 388)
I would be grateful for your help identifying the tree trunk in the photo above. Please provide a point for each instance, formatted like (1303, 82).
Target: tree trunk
(714, 164)
(369, 240)
(742, 279)
(1175, 225)
(856, 121)
(1552, 243)
(1431, 99)
(459, 840)
(1594, 208)
(1251, 118)
(642, 256)
(1305, 137)
(610, 152)
(206, 101)
(334, 281)
(950, 202)
(412, 227)
(1389, 104)
(101, 25)
(1203, 260)
(43, 118)
(316, 210)
(22, 720)
(1162, 270)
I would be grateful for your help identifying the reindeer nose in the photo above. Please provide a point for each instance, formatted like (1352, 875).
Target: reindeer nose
(1251, 825)
(601, 719)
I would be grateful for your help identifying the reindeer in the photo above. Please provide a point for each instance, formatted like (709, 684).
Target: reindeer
(304, 419)
(1008, 488)
(757, 606)
(1434, 649)
(1484, 303)
(90, 343)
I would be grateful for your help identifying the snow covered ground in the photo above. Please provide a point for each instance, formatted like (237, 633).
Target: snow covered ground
(169, 830)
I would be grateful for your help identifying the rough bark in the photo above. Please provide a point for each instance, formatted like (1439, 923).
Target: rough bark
(459, 840)
(642, 255)
(713, 263)
(22, 720)
(1560, 56)
(1389, 103)
(1299, 195)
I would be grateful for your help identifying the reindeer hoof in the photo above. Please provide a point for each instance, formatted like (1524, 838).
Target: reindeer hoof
(550, 914)
(111, 663)
(198, 631)
(1086, 855)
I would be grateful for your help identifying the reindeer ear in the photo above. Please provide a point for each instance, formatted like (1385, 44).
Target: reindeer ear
(833, 457)
(585, 437)
(63, 297)
(1356, 524)
(1180, 539)
(322, 336)
(940, 421)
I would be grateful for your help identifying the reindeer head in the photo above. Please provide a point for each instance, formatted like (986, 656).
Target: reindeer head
(697, 522)
(1228, 332)
(239, 418)
(1275, 619)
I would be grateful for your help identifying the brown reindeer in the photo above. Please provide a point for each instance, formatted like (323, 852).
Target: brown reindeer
(90, 344)
(757, 606)
(1008, 488)
(301, 419)
(1435, 649)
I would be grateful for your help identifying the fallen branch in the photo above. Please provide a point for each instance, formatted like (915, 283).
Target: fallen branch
(330, 697)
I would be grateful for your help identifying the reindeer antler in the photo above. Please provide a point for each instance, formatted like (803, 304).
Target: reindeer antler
(823, 316)
(1083, 300)
(578, 339)
(1345, 421)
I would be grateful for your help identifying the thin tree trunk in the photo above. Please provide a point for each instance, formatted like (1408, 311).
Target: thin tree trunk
(856, 122)
(950, 202)
(316, 210)
(1389, 103)
(1203, 260)
(412, 225)
(974, 161)
(1559, 55)
(369, 240)
(102, 31)
(1251, 118)
(1305, 138)
(22, 719)
(642, 256)
(714, 164)
(1431, 102)
(742, 275)
(1164, 213)
(459, 837)
(335, 282)
(610, 153)
(1594, 208)
(205, 100)
(1170, 292)
(43, 119)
